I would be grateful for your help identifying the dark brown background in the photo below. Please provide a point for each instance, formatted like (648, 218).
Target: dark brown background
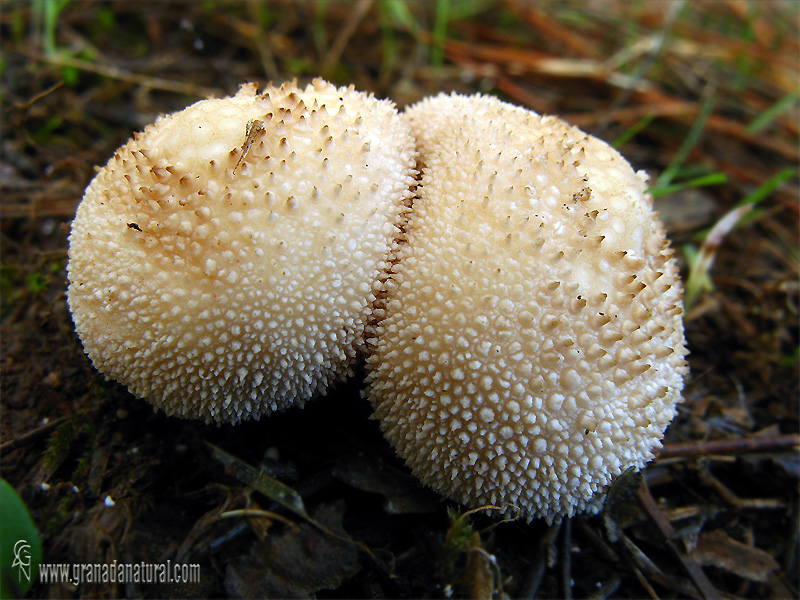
(705, 92)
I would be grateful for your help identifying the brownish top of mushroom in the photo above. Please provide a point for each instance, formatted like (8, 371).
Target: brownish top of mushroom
(222, 264)
(530, 345)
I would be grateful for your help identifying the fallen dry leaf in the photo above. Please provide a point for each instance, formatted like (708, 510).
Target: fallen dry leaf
(403, 493)
(297, 563)
(717, 549)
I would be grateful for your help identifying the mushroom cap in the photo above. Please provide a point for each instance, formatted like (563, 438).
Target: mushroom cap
(223, 264)
(528, 345)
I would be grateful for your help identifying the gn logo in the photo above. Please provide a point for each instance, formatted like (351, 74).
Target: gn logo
(22, 560)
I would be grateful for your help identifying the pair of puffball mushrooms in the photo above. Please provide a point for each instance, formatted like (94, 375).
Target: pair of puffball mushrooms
(518, 303)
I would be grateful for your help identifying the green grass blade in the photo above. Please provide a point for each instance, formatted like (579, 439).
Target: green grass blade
(398, 12)
(769, 186)
(269, 486)
(439, 32)
(773, 112)
(702, 181)
(632, 131)
(699, 279)
(694, 135)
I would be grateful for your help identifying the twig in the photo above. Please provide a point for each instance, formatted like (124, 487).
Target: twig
(736, 446)
(640, 558)
(645, 66)
(526, 60)
(643, 581)
(201, 526)
(629, 114)
(542, 24)
(724, 491)
(566, 562)
(261, 514)
(658, 104)
(597, 541)
(112, 72)
(708, 591)
(28, 103)
(32, 434)
(214, 545)
(681, 585)
(521, 95)
(531, 585)
(792, 543)
(262, 44)
(340, 43)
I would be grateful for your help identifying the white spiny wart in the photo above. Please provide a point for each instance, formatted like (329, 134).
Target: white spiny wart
(224, 263)
(528, 345)
(523, 312)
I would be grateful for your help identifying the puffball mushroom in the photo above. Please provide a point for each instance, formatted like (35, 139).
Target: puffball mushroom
(529, 343)
(223, 264)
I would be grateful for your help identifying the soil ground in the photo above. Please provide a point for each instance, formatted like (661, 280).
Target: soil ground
(702, 95)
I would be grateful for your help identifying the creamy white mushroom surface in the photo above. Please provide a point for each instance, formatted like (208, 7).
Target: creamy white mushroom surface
(223, 264)
(529, 343)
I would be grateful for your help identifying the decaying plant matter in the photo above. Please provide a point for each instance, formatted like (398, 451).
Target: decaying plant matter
(701, 95)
